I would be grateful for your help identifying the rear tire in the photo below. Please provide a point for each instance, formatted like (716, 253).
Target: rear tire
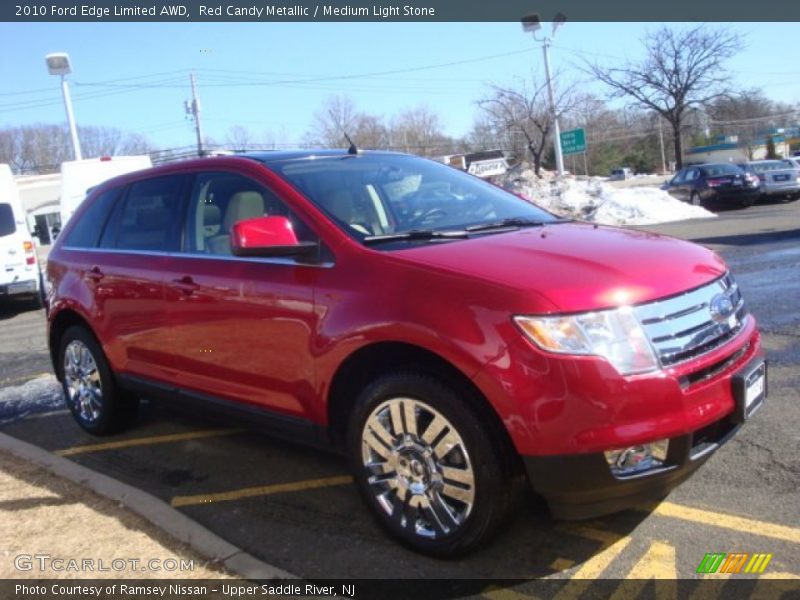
(695, 200)
(90, 390)
(747, 203)
(427, 466)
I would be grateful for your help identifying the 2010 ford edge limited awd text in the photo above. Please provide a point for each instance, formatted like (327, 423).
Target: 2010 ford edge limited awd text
(451, 337)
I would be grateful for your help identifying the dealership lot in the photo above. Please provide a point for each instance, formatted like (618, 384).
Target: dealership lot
(295, 508)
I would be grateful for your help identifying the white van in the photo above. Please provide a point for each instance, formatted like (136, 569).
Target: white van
(19, 269)
(79, 176)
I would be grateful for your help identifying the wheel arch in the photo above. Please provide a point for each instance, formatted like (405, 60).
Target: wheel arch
(381, 358)
(62, 321)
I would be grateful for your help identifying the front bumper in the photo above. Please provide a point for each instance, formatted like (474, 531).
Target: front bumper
(584, 486)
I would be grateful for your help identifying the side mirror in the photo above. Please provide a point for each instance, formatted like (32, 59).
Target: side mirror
(268, 236)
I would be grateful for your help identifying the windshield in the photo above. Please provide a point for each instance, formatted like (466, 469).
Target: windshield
(380, 194)
(7, 223)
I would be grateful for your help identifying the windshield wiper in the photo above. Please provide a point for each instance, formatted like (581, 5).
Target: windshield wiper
(415, 234)
(512, 222)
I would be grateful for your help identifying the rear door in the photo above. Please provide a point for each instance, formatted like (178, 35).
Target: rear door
(125, 275)
(242, 327)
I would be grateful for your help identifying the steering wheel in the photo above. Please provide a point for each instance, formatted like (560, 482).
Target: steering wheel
(432, 214)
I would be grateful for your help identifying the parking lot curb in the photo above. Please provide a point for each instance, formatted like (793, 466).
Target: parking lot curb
(154, 510)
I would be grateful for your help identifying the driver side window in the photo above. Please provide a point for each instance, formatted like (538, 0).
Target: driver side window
(219, 200)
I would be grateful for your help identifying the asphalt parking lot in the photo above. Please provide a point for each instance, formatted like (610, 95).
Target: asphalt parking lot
(296, 508)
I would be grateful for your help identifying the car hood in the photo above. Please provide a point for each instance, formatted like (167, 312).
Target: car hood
(576, 266)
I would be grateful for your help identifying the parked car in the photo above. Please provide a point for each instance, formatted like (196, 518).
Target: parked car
(717, 183)
(451, 338)
(19, 267)
(620, 174)
(777, 178)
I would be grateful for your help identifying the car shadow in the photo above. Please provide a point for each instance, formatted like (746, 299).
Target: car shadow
(328, 532)
(10, 308)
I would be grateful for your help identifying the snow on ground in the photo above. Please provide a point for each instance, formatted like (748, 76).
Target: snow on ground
(594, 200)
(34, 396)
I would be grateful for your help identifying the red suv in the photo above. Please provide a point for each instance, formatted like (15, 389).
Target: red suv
(453, 339)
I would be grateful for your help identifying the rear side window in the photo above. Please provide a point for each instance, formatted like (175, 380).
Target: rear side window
(86, 232)
(149, 220)
(7, 223)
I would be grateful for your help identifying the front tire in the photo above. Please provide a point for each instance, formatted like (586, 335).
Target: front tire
(427, 466)
(91, 393)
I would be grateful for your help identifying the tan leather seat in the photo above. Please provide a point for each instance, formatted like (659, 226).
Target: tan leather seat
(343, 205)
(242, 205)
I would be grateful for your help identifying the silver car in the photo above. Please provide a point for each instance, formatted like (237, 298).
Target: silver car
(778, 178)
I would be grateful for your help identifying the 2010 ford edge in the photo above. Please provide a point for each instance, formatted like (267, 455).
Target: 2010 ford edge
(451, 337)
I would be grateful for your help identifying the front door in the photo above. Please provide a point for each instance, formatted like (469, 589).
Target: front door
(241, 327)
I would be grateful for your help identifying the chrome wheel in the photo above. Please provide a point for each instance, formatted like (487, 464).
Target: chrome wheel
(82, 382)
(418, 468)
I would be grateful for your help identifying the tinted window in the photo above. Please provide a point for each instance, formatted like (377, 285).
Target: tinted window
(374, 194)
(7, 223)
(219, 200)
(86, 232)
(721, 169)
(150, 218)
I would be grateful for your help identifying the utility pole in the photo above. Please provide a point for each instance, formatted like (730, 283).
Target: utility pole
(193, 110)
(661, 141)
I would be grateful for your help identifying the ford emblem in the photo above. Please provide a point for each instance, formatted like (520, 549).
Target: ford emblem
(721, 308)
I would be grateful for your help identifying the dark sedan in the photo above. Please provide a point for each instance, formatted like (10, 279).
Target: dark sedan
(717, 183)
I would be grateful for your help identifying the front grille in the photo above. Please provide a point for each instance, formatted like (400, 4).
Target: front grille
(682, 327)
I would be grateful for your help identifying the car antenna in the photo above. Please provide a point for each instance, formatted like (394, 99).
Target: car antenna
(353, 149)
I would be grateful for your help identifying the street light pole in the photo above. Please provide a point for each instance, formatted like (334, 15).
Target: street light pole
(73, 130)
(59, 64)
(551, 95)
(531, 24)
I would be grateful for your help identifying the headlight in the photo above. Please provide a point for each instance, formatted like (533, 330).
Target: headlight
(614, 335)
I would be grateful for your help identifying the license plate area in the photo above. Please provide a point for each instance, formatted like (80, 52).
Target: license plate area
(749, 389)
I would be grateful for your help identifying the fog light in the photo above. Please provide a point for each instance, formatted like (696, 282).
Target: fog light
(635, 459)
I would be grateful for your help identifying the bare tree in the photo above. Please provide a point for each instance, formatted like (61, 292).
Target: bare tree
(332, 121)
(419, 131)
(682, 69)
(41, 148)
(524, 116)
(749, 115)
(239, 137)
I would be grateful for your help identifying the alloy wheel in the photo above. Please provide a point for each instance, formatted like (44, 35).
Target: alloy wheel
(82, 382)
(418, 467)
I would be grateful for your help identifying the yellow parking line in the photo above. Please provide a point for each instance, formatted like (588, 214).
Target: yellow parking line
(562, 564)
(612, 546)
(707, 517)
(147, 441)
(263, 490)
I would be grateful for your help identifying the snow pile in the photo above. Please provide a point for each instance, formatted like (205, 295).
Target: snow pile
(593, 200)
(37, 395)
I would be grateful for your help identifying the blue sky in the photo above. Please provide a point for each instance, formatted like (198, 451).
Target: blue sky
(135, 75)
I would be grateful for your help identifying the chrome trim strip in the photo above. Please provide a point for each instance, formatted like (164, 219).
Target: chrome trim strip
(256, 259)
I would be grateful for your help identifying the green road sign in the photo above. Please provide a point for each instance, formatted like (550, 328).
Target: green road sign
(573, 141)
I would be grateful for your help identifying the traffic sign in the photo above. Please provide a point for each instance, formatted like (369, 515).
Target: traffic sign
(573, 141)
